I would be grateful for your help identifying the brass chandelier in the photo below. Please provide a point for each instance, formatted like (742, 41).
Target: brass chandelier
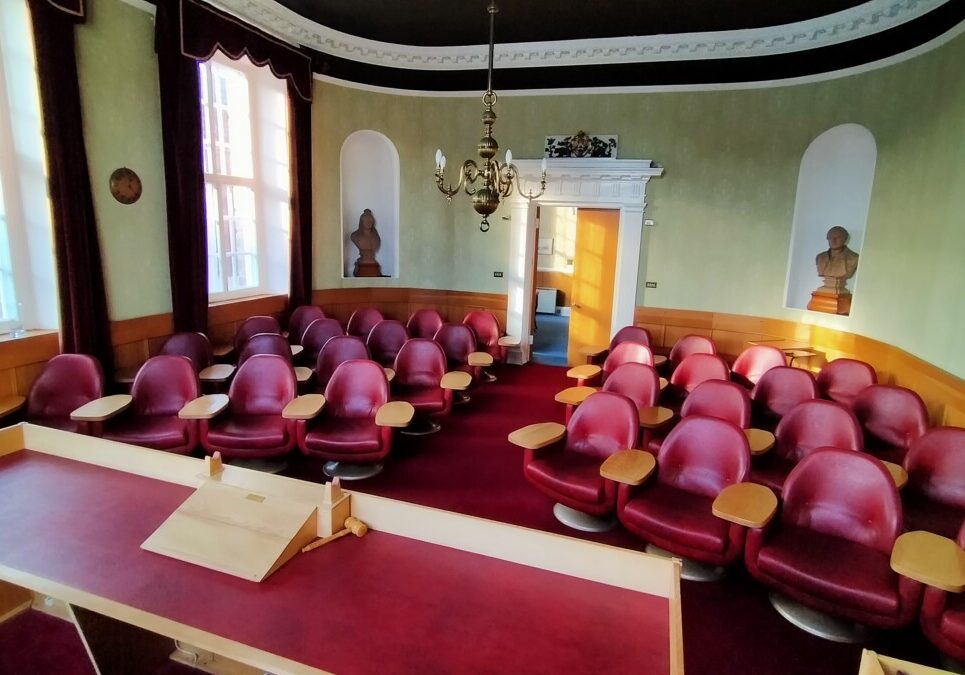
(497, 179)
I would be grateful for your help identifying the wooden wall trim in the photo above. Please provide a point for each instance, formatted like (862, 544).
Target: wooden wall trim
(943, 392)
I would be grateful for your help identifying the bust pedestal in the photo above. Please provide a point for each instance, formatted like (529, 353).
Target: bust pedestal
(830, 301)
(367, 268)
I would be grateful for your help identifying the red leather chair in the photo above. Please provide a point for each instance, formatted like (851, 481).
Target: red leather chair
(943, 615)
(636, 334)
(639, 383)
(194, 346)
(300, 319)
(751, 364)
(419, 367)
(423, 323)
(337, 350)
(458, 342)
(690, 344)
(692, 371)
(842, 380)
(672, 510)
(385, 340)
(253, 326)
(317, 334)
(162, 386)
(830, 548)
(810, 426)
(486, 327)
(67, 382)
(265, 343)
(934, 497)
(362, 321)
(719, 399)
(569, 470)
(252, 425)
(345, 433)
(626, 352)
(777, 392)
(892, 418)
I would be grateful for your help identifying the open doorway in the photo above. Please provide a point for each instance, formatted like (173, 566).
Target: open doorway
(575, 269)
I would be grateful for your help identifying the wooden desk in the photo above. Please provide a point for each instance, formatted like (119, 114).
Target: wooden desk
(480, 359)
(793, 349)
(931, 559)
(574, 395)
(219, 372)
(304, 407)
(102, 409)
(320, 611)
(632, 467)
(583, 372)
(747, 504)
(759, 440)
(651, 418)
(536, 436)
(458, 380)
(395, 414)
(204, 407)
(898, 474)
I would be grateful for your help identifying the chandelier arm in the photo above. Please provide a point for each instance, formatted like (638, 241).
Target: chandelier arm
(530, 195)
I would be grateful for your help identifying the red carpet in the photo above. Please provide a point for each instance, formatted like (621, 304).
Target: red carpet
(470, 467)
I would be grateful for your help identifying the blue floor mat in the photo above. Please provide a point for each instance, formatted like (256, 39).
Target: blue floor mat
(550, 339)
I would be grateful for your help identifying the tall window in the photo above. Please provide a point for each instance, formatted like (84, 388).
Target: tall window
(246, 173)
(28, 286)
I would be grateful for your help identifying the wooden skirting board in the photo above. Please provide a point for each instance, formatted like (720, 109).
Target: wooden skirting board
(942, 392)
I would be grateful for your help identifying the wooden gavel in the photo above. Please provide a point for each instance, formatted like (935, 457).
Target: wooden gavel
(351, 526)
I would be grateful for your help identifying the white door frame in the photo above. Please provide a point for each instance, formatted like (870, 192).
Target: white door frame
(619, 184)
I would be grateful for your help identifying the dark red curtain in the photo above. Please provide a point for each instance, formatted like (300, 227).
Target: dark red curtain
(85, 326)
(300, 150)
(183, 172)
(186, 32)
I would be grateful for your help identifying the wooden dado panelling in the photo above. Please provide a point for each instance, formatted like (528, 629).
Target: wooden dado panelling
(560, 280)
(943, 393)
(22, 359)
(399, 303)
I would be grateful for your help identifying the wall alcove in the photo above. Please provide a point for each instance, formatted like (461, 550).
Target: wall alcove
(369, 165)
(834, 188)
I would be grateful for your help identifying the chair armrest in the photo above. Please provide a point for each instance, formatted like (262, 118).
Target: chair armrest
(747, 504)
(11, 404)
(759, 440)
(456, 379)
(654, 417)
(304, 407)
(898, 474)
(930, 559)
(630, 467)
(574, 395)
(395, 414)
(592, 350)
(204, 407)
(508, 341)
(480, 359)
(303, 374)
(102, 409)
(583, 372)
(536, 436)
(219, 372)
(221, 350)
(389, 374)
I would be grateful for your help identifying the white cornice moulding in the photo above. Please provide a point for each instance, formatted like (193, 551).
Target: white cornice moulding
(854, 23)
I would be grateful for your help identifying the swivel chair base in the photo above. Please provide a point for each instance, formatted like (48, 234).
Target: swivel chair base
(583, 521)
(422, 427)
(818, 623)
(488, 376)
(952, 665)
(460, 397)
(351, 470)
(263, 464)
(691, 570)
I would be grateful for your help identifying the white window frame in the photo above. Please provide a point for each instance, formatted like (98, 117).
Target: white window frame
(271, 255)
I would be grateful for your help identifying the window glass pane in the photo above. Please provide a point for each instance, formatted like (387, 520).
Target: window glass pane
(215, 271)
(239, 221)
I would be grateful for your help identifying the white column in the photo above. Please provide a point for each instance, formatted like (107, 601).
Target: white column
(627, 267)
(519, 305)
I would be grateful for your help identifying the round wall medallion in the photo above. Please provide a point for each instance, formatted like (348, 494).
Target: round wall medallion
(125, 185)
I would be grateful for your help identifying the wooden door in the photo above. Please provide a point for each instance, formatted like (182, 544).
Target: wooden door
(594, 270)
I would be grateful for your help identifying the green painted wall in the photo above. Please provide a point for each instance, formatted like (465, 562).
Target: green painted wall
(723, 207)
(725, 204)
(117, 69)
